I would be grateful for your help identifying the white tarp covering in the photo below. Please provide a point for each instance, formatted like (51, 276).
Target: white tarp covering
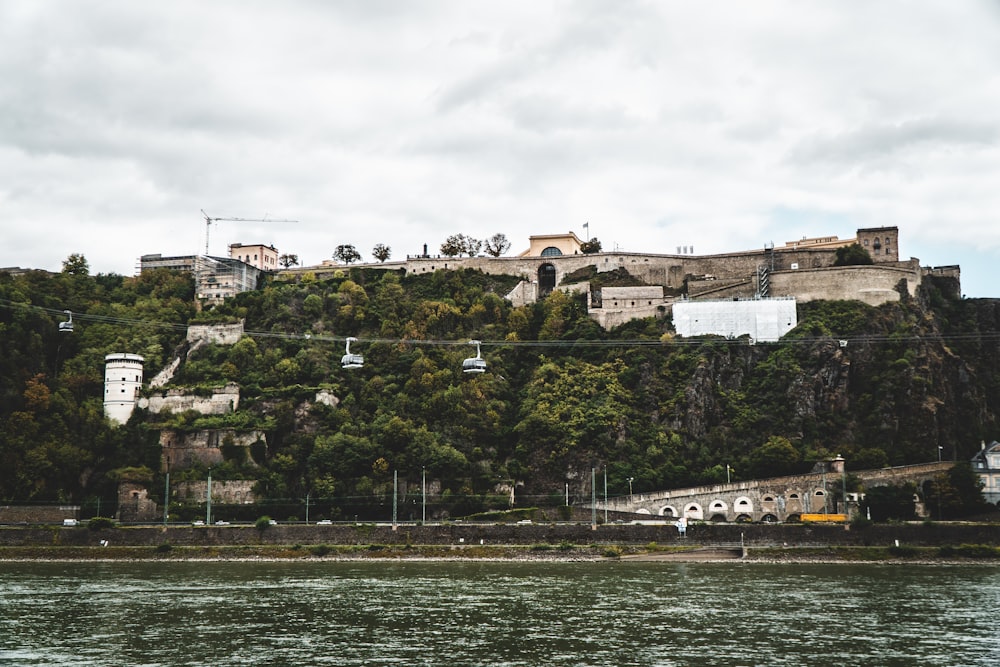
(764, 320)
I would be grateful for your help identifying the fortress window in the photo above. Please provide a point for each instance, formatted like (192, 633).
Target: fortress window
(866, 241)
(551, 251)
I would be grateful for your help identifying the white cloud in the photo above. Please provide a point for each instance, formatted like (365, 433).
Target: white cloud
(721, 125)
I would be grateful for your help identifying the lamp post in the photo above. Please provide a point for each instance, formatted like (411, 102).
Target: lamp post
(423, 495)
(166, 494)
(630, 479)
(395, 496)
(727, 473)
(939, 453)
(208, 497)
(593, 499)
(605, 495)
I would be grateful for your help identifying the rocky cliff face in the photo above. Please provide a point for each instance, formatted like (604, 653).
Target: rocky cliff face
(906, 381)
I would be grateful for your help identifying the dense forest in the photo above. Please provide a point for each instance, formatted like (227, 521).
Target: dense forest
(897, 384)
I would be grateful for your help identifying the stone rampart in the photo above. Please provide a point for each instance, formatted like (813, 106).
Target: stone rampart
(38, 513)
(216, 334)
(181, 449)
(222, 400)
(229, 492)
(874, 284)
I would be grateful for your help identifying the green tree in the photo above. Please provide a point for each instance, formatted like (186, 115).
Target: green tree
(460, 244)
(497, 245)
(76, 265)
(591, 247)
(852, 255)
(288, 260)
(775, 458)
(346, 253)
(381, 252)
(890, 502)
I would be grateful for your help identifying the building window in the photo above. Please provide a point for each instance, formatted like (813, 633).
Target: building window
(551, 251)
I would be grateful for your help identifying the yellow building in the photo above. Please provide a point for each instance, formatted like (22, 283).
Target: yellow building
(553, 245)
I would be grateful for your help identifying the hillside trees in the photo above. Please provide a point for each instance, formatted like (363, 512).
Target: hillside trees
(662, 411)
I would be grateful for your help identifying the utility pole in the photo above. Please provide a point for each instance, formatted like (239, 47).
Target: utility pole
(423, 495)
(395, 495)
(208, 496)
(593, 499)
(605, 495)
(166, 495)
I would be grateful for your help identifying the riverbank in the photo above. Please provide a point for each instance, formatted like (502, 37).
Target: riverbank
(526, 553)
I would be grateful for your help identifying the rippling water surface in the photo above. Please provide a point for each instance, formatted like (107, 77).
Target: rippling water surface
(487, 613)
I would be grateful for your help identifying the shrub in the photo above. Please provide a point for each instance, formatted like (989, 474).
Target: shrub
(612, 552)
(163, 548)
(904, 551)
(320, 550)
(101, 522)
(263, 523)
(979, 551)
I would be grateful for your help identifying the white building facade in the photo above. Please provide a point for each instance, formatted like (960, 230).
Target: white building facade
(986, 464)
(765, 320)
(122, 382)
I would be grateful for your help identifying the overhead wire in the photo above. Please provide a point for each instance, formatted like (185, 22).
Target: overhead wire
(672, 341)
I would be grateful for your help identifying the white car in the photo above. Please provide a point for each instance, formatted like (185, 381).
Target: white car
(324, 522)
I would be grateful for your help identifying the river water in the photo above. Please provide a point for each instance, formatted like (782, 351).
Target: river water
(490, 613)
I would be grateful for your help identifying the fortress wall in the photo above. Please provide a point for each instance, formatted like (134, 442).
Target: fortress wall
(219, 334)
(222, 401)
(183, 450)
(874, 285)
(232, 492)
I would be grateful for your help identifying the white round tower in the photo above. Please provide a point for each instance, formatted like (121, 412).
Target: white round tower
(122, 381)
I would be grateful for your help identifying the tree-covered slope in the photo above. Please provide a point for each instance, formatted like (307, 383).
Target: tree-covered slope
(560, 395)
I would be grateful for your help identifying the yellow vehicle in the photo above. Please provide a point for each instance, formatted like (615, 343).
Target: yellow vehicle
(824, 518)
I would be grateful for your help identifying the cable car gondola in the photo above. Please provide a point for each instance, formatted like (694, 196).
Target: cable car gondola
(351, 360)
(474, 364)
(67, 326)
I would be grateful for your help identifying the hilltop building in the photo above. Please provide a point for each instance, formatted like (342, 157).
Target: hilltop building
(553, 245)
(803, 269)
(260, 256)
(219, 278)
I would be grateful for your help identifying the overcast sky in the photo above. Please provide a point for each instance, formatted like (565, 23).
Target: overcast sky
(718, 125)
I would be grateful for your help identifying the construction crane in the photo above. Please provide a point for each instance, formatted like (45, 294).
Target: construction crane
(209, 220)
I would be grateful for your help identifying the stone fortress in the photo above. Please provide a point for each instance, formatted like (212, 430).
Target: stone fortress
(804, 270)
(801, 270)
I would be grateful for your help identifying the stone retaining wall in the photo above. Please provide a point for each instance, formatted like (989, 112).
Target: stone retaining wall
(792, 535)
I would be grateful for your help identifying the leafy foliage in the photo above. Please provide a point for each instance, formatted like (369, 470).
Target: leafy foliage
(663, 414)
(852, 254)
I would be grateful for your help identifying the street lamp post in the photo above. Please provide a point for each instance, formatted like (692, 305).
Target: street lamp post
(166, 494)
(208, 497)
(939, 453)
(605, 495)
(423, 495)
(630, 479)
